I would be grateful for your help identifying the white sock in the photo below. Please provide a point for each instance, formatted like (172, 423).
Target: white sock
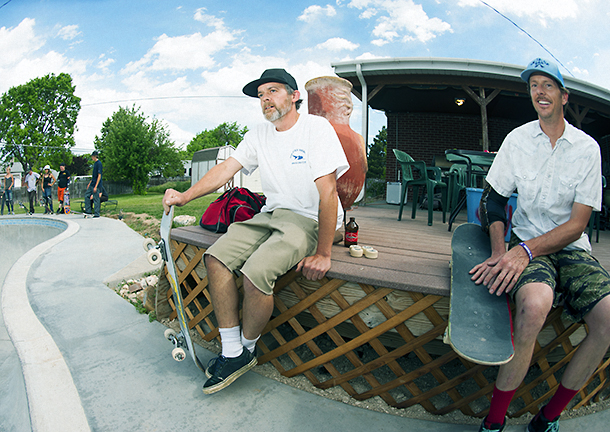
(250, 344)
(230, 338)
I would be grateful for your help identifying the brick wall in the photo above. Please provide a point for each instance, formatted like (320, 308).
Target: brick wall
(425, 135)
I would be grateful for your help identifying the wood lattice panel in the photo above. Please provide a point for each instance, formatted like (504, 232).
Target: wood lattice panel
(376, 341)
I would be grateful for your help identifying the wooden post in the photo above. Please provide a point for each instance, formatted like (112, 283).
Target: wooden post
(577, 114)
(483, 102)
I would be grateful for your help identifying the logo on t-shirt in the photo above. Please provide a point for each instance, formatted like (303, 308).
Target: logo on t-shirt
(297, 156)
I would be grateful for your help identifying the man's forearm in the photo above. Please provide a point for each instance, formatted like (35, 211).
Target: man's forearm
(327, 222)
(561, 236)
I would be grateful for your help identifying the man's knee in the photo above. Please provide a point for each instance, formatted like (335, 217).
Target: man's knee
(598, 319)
(534, 301)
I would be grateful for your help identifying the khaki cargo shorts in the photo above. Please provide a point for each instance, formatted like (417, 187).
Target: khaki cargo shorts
(577, 279)
(266, 246)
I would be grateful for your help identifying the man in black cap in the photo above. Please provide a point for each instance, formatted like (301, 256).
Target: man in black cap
(92, 195)
(299, 157)
(557, 170)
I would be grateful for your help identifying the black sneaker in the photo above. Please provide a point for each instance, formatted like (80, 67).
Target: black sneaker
(542, 424)
(212, 364)
(224, 370)
(494, 427)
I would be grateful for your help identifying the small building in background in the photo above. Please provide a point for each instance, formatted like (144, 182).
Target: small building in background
(204, 160)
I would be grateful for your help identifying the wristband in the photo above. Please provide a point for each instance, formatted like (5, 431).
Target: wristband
(527, 250)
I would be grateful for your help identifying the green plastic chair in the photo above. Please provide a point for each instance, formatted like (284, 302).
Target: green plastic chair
(407, 164)
(455, 185)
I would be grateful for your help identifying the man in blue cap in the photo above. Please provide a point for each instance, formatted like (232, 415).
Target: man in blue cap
(556, 169)
(299, 157)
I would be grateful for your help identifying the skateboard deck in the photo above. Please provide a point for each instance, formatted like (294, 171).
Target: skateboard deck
(480, 324)
(66, 205)
(183, 339)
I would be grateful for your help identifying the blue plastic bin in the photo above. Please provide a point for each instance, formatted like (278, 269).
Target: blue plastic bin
(473, 197)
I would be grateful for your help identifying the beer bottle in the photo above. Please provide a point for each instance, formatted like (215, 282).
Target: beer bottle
(351, 233)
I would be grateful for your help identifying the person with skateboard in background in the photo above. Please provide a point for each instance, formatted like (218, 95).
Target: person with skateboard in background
(300, 158)
(556, 169)
(63, 180)
(93, 192)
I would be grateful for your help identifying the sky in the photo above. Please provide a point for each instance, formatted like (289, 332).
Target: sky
(185, 62)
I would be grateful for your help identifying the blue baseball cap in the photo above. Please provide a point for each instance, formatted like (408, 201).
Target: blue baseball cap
(541, 65)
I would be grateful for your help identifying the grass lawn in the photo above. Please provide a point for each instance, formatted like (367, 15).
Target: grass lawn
(150, 204)
(149, 208)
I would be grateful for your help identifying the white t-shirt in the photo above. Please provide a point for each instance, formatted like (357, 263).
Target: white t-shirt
(290, 162)
(549, 180)
(31, 180)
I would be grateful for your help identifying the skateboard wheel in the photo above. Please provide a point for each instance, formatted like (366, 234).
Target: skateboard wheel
(369, 252)
(169, 334)
(154, 256)
(355, 251)
(148, 244)
(178, 354)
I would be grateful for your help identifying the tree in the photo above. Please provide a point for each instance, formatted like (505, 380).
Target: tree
(377, 155)
(80, 165)
(222, 135)
(38, 120)
(132, 149)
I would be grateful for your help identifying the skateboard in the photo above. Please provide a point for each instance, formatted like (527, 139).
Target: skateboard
(182, 339)
(66, 205)
(480, 324)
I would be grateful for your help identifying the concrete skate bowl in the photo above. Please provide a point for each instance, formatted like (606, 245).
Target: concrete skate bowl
(22, 337)
(19, 235)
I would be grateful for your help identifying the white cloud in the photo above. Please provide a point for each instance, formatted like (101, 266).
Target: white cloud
(104, 62)
(209, 20)
(540, 9)
(180, 53)
(337, 44)
(68, 32)
(22, 59)
(400, 20)
(187, 52)
(314, 12)
(18, 42)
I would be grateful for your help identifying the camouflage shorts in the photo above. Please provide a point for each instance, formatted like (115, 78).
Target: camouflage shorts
(577, 279)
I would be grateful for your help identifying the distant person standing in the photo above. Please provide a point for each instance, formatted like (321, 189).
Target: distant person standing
(63, 180)
(30, 180)
(48, 180)
(9, 183)
(92, 195)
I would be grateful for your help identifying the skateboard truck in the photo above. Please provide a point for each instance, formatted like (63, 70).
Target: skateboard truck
(177, 339)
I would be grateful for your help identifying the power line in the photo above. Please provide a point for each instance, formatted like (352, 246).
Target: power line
(71, 149)
(157, 98)
(5, 4)
(529, 35)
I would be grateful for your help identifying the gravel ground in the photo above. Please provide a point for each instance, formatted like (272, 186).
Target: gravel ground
(376, 403)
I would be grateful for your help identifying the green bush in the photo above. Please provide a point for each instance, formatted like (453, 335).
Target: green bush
(180, 186)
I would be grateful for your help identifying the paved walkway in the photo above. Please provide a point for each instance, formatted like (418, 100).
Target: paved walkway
(90, 362)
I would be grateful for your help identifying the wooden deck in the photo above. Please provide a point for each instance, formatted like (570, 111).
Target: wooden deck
(374, 327)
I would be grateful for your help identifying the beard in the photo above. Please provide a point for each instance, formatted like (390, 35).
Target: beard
(280, 110)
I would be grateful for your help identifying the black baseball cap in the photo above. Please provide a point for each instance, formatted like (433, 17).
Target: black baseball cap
(270, 75)
(95, 153)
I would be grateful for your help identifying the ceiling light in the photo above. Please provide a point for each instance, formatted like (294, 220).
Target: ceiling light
(459, 102)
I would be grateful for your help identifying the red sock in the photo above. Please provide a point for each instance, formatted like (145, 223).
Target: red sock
(500, 400)
(558, 402)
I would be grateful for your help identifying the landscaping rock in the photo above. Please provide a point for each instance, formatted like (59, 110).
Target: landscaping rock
(185, 220)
